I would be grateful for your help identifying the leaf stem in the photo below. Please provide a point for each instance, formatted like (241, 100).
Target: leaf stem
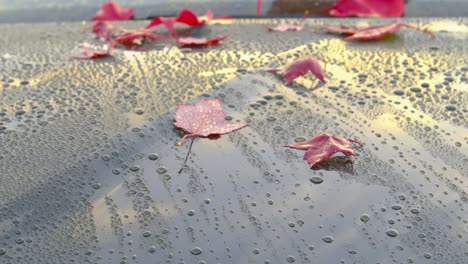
(186, 157)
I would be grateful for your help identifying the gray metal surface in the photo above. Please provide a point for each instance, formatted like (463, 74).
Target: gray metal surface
(77, 184)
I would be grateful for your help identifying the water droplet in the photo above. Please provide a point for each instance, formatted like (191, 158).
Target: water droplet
(191, 212)
(392, 233)
(399, 92)
(161, 170)
(450, 108)
(365, 218)
(316, 179)
(256, 251)
(2, 251)
(396, 207)
(152, 249)
(328, 239)
(196, 251)
(97, 186)
(290, 259)
(153, 156)
(135, 168)
(146, 233)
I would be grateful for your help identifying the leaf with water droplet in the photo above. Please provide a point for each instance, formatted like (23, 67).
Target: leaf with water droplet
(323, 146)
(204, 118)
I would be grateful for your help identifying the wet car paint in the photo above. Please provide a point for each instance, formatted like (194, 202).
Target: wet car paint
(89, 164)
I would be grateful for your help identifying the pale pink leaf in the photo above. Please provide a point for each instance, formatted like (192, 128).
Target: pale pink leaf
(283, 27)
(204, 118)
(323, 146)
(93, 52)
(300, 67)
(378, 32)
(112, 11)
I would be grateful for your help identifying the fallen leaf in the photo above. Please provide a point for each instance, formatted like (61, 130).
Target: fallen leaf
(187, 17)
(203, 119)
(378, 32)
(340, 30)
(283, 27)
(323, 146)
(199, 42)
(112, 11)
(300, 67)
(368, 8)
(104, 30)
(93, 52)
(135, 38)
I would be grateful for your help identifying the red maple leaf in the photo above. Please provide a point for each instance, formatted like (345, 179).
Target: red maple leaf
(199, 42)
(283, 27)
(187, 17)
(112, 11)
(323, 146)
(378, 32)
(93, 52)
(203, 119)
(368, 8)
(300, 67)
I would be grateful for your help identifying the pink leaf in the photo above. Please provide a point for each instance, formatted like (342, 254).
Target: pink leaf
(378, 32)
(368, 8)
(300, 67)
(93, 53)
(203, 119)
(112, 11)
(340, 30)
(103, 30)
(289, 27)
(323, 146)
(187, 17)
(135, 38)
(199, 42)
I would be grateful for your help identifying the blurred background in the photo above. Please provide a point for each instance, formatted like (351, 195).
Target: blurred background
(74, 10)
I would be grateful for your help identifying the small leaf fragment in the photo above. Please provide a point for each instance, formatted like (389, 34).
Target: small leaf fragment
(199, 42)
(283, 27)
(93, 52)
